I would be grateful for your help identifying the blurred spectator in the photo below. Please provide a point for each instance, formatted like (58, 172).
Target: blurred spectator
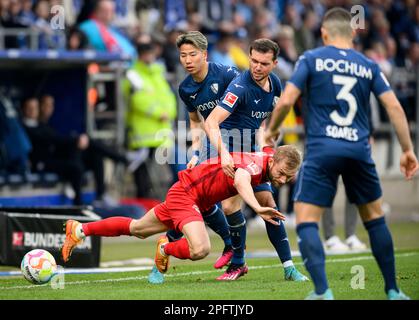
(238, 51)
(305, 36)
(152, 108)
(170, 54)
(76, 40)
(149, 15)
(174, 14)
(14, 143)
(101, 35)
(404, 81)
(10, 18)
(221, 51)
(93, 155)
(287, 52)
(216, 16)
(27, 14)
(48, 39)
(126, 17)
(52, 152)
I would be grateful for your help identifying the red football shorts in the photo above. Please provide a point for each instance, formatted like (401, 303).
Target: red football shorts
(178, 209)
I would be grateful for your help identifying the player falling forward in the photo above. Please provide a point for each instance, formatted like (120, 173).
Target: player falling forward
(197, 190)
(339, 82)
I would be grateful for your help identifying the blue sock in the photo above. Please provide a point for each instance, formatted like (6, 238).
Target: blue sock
(382, 249)
(312, 252)
(237, 225)
(217, 221)
(173, 235)
(278, 237)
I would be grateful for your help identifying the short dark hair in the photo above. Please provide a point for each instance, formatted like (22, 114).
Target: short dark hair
(265, 45)
(337, 22)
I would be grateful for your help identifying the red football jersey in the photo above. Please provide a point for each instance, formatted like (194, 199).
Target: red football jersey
(208, 184)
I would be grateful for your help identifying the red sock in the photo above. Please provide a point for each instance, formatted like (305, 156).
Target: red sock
(178, 249)
(110, 227)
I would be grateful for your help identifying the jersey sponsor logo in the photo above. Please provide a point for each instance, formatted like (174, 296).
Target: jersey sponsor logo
(346, 133)
(214, 88)
(343, 66)
(230, 99)
(260, 114)
(207, 105)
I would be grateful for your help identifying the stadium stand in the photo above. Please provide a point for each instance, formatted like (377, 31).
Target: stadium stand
(44, 50)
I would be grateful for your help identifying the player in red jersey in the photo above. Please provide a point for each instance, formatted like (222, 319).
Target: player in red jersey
(198, 189)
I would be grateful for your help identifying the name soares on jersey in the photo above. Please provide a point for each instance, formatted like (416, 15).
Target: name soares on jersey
(343, 66)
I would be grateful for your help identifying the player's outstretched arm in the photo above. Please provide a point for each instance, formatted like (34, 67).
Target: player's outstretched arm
(408, 161)
(212, 129)
(242, 182)
(283, 106)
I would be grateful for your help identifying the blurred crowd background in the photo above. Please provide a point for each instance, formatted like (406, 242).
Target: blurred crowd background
(146, 32)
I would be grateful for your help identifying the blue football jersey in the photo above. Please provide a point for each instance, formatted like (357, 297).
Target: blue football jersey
(338, 83)
(204, 96)
(249, 105)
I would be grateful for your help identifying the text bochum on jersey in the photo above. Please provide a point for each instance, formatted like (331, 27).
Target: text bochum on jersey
(339, 91)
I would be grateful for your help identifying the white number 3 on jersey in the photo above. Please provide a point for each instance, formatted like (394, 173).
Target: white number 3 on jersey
(345, 94)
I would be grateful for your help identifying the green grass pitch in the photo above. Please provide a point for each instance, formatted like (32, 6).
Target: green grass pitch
(196, 280)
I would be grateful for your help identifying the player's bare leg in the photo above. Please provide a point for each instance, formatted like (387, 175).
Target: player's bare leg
(110, 227)
(198, 239)
(279, 239)
(381, 246)
(194, 246)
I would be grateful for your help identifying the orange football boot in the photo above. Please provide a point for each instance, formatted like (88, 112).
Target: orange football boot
(161, 260)
(71, 239)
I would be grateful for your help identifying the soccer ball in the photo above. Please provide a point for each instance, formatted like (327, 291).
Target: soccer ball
(38, 266)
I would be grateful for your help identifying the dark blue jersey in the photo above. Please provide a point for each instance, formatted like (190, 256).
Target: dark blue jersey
(338, 84)
(204, 96)
(249, 105)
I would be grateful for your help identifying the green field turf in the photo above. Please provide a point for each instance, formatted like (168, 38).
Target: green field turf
(195, 280)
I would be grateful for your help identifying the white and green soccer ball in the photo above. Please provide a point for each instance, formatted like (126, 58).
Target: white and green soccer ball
(38, 266)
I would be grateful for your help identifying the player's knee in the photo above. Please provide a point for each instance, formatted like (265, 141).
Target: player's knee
(200, 251)
(230, 208)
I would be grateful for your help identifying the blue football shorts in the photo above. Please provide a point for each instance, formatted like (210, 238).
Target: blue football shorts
(318, 176)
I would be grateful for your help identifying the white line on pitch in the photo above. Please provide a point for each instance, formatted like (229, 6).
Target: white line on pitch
(401, 255)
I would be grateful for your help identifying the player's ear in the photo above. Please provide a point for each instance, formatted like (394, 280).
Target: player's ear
(324, 34)
(205, 55)
(353, 33)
